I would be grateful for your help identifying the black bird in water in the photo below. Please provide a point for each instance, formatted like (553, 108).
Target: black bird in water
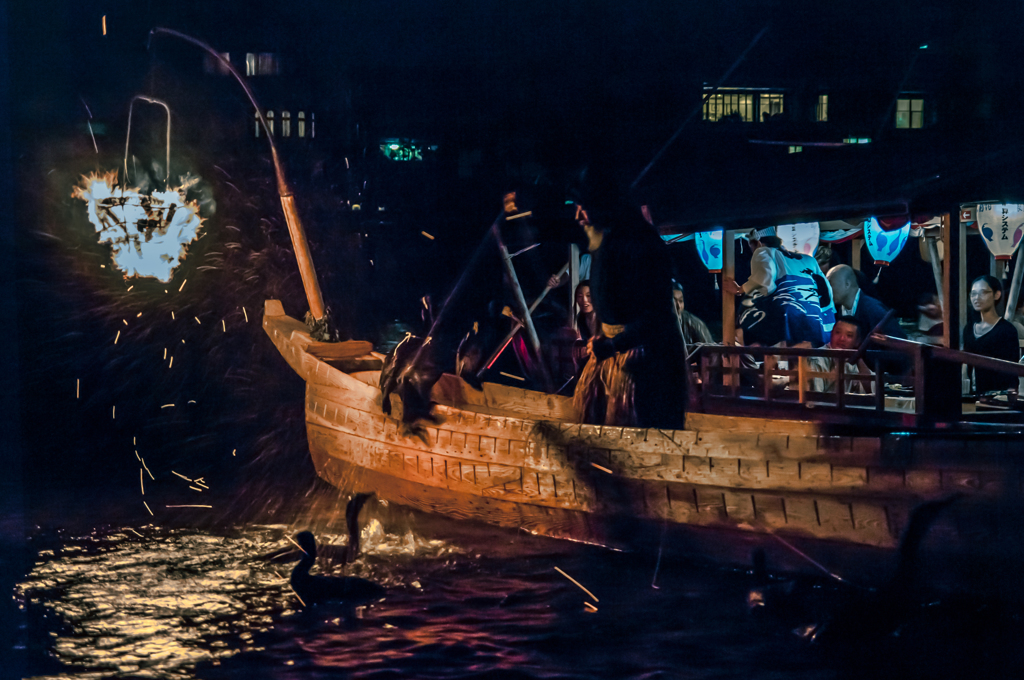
(349, 590)
(841, 616)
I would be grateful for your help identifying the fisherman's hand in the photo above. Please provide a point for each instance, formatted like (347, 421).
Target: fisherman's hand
(601, 348)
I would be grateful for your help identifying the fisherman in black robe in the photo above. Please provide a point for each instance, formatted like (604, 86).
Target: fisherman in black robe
(636, 374)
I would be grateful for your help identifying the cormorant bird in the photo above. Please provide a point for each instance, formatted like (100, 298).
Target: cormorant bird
(346, 589)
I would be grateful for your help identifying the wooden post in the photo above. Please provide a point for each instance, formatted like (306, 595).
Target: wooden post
(728, 299)
(858, 246)
(1014, 294)
(801, 377)
(933, 251)
(729, 306)
(954, 312)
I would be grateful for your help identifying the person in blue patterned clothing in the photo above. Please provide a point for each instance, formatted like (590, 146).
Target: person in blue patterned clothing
(787, 298)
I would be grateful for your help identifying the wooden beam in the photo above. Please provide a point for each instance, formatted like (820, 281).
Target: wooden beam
(728, 299)
(933, 255)
(857, 245)
(952, 279)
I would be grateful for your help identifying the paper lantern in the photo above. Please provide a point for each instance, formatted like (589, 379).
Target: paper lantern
(884, 245)
(799, 238)
(709, 247)
(1001, 225)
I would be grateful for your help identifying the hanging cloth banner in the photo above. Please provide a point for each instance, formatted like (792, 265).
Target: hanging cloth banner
(840, 235)
(1001, 225)
(799, 238)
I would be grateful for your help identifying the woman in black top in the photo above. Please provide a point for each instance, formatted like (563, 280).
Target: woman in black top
(993, 336)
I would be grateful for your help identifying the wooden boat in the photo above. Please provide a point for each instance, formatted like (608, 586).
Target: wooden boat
(820, 485)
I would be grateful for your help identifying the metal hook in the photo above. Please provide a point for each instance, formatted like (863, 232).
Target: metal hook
(150, 100)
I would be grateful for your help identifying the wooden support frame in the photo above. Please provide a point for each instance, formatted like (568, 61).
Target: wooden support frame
(728, 299)
(857, 246)
(954, 271)
(729, 305)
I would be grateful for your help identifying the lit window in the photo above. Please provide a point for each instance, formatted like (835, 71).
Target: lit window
(270, 121)
(286, 124)
(250, 64)
(719, 106)
(909, 113)
(796, 149)
(771, 105)
(748, 106)
(821, 111)
(302, 123)
(257, 114)
(312, 125)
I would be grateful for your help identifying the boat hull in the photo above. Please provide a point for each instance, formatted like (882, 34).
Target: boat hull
(814, 500)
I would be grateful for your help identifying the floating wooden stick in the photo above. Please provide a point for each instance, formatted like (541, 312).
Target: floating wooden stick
(578, 584)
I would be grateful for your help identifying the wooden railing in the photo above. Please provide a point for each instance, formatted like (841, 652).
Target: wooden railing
(908, 379)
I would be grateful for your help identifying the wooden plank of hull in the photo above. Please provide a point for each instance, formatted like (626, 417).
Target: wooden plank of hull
(597, 492)
(539, 456)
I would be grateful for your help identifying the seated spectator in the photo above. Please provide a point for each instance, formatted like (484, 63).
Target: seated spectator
(694, 330)
(846, 334)
(853, 302)
(993, 336)
(929, 319)
(586, 318)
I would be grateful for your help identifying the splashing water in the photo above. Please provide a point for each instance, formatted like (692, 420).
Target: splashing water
(149, 234)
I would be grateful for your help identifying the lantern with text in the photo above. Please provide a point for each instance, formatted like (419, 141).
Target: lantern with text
(709, 247)
(884, 245)
(799, 238)
(1001, 225)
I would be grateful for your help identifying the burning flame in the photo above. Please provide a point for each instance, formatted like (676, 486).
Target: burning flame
(150, 234)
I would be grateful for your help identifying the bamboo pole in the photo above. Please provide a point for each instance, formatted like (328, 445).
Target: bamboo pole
(517, 292)
(291, 215)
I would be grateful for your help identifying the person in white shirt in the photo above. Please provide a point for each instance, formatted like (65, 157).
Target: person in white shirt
(846, 334)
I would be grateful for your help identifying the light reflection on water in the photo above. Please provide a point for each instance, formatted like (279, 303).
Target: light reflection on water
(156, 602)
(160, 601)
